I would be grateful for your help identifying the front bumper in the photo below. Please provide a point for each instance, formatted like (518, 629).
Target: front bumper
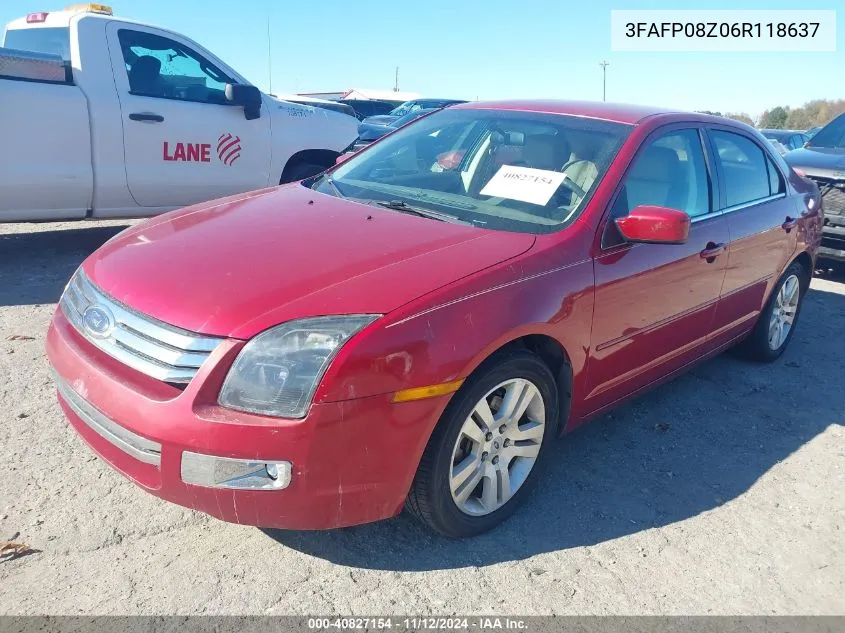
(352, 462)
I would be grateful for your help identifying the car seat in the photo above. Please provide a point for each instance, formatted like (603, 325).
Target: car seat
(144, 76)
(657, 178)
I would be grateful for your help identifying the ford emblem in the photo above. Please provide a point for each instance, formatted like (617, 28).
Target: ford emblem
(98, 321)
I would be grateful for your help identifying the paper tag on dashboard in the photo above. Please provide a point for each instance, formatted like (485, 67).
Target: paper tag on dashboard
(536, 186)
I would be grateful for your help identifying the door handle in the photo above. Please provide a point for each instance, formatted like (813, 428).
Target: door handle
(146, 116)
(712, 250)
(789, 224)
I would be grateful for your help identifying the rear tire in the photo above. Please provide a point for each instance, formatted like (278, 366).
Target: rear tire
(776, 323)
(300, 171)
(488, 448)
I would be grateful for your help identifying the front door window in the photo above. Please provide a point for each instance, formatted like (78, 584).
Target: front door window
(160, 67)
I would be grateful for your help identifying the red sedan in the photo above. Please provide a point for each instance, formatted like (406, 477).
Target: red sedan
(415, 326)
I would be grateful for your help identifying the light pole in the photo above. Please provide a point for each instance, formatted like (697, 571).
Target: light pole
(604, 64)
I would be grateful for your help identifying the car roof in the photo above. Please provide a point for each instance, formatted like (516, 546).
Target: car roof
(617, 112)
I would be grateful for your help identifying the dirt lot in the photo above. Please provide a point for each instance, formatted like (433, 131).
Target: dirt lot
(720, 493)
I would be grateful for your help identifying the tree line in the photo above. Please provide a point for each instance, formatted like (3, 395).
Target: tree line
(811, 114)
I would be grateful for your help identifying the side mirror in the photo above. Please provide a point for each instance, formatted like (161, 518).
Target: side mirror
(654, 225)
(247, 96)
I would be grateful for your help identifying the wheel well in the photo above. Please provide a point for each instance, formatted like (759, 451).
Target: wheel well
(551, 352)
(323, 157)
(807, 264)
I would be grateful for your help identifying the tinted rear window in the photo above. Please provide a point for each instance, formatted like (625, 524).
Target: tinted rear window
(50, 41)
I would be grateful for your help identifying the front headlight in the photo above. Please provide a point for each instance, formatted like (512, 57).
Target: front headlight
(277, 372)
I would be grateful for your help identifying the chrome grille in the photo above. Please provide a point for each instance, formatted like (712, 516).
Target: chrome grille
(150, 346)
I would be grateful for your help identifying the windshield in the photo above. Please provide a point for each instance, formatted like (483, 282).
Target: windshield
(405, 108)
(831, 135)
(512, 171)
(402, 120)
(49, 41)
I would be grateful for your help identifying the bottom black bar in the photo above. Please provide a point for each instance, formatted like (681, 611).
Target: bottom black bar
(490, 623)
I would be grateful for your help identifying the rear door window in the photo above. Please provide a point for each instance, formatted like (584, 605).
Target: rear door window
(744, 167)
(776, 184)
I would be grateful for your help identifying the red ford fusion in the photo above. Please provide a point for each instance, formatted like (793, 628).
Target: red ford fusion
(414, 327)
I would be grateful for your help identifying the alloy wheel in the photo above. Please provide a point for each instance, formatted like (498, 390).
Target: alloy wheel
(497, 447)
(784, 311)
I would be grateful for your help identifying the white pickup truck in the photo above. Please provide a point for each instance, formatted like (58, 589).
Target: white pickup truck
(108, 118)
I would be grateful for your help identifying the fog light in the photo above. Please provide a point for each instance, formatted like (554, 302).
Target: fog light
(240, 474)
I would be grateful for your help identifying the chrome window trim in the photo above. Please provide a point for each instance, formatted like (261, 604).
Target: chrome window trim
(150, 346)
(140, 448)
(737, 207)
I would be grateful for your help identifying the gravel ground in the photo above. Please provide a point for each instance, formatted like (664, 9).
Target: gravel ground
(719, 493)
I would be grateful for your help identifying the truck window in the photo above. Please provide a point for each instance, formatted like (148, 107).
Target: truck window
(48, 41)
(163, 68)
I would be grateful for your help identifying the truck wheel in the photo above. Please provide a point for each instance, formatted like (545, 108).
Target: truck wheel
(485, 453)
(776, 323)
(300, 171)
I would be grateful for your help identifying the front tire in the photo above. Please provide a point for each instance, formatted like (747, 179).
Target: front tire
(776, 323)
(488, 447)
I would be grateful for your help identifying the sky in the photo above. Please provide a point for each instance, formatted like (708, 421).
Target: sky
(483, 49)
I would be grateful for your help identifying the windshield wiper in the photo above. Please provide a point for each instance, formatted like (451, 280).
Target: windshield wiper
(404, 207)
(330, 182)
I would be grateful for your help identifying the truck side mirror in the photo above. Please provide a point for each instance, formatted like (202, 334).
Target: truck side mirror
(247, 96)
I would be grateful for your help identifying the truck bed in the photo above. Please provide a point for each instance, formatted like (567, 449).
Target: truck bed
(28, 66)
(46, 172)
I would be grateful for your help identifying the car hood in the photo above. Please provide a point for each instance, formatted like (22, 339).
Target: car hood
(819, 161)
(237, 266)
(381, 119)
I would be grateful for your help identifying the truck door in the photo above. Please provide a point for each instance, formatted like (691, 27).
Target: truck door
(183, 141)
